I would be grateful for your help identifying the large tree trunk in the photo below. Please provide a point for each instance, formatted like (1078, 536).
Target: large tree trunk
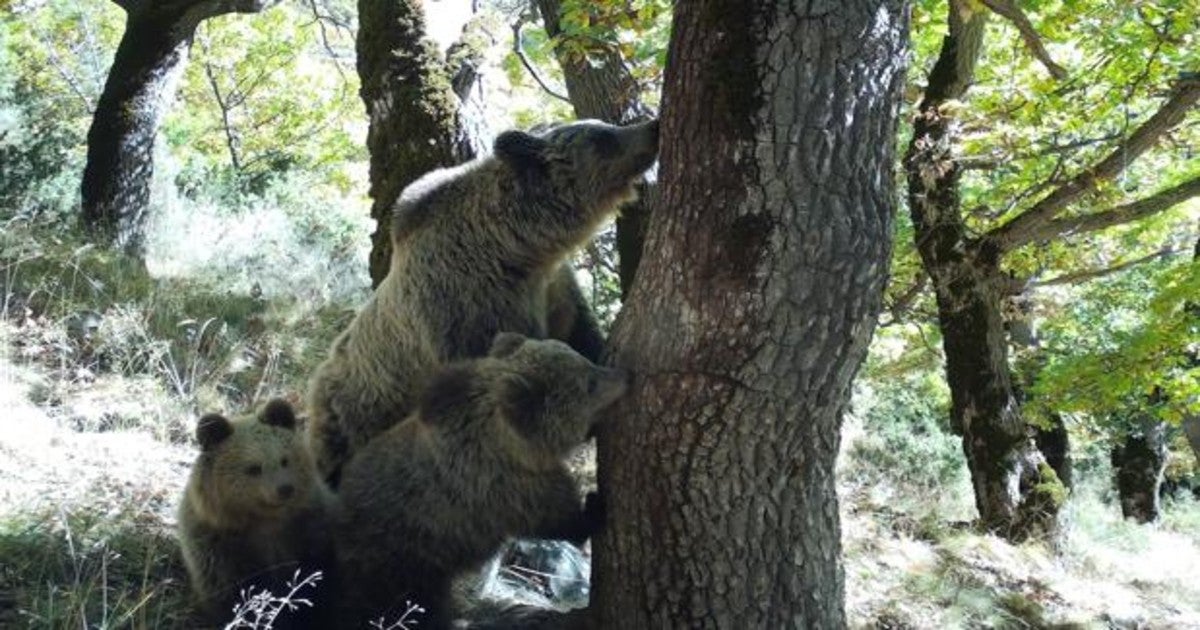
(415, 121)
(763, 274)
(1138, 463)
(605, 90)
(141, 83)
(1016, 492)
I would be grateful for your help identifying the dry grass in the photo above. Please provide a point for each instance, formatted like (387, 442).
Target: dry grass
(95, 447)
(917, 568)
(85, 522)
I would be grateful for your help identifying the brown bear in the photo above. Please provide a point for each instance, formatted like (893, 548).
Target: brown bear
(254, 511)
(480, 460)
(478, 249)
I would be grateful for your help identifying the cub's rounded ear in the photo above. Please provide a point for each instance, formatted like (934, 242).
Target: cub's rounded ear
(520, 150)
(505, 344)
(212, 429)
(279, 413)
(523, 403)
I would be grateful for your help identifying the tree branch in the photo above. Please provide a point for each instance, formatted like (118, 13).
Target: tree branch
(338, 26)
(1077, 277)
(231, 139)
(1011, 12)
(196, 11)
(905, 300)
(1127, 213)
(997, 159)
(520, 53)
(1031, 224)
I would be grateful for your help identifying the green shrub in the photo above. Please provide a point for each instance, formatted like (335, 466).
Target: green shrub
(906, 434)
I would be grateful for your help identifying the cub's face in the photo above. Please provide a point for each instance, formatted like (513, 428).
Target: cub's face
(589, 164)
(553, 395)
(255, 467)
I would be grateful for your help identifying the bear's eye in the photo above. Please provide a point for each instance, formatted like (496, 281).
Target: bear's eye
(283, 462)
(254, 470)
(592, 383)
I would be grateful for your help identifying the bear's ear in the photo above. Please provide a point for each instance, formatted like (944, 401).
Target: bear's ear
(505, 344)
(279, 413)
(523, 403)
(212, 429)
(520, 150)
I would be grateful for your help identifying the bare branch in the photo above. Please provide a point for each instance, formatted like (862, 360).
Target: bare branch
(520, 53)
(1031, 224)
(903, 302)
(71, 80)
(231, 136)
(1078, 277)
(338, 26)
(1011, 12)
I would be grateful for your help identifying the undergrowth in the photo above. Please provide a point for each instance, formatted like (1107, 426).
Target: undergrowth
(90, 568)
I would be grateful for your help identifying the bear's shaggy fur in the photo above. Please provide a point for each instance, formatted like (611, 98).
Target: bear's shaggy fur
(254, 510)
(478, 249)
(480, 461)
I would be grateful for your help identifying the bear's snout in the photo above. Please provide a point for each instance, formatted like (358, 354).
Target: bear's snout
(285, 491)
(641, 141)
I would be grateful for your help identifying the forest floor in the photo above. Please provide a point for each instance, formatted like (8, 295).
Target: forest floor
(87, 516)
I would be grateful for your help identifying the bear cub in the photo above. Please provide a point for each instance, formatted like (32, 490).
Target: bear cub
(478, 249)
(254, 511)
(480, 460)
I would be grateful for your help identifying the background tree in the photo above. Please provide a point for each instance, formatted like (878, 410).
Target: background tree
(601, 85)
(416, 121)
(1141, 380)
(242, 105)
(1052, 195)
(142, 80)
(750, 313)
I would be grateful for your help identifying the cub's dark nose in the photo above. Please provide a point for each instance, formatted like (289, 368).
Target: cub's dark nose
(286, 491)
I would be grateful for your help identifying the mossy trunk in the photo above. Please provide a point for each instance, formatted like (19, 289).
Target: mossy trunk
(1055, 444)
(761, 281)
(1139, 461)
(415, 124)
(1018, 495)
(141, 85)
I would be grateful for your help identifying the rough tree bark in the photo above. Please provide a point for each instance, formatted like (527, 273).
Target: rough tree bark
(141, 83)
(763, 273)
(1138, 462)
(1016, 492)
(1054, 442)
(1050, 435)
(606, 91)
(416, 123)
